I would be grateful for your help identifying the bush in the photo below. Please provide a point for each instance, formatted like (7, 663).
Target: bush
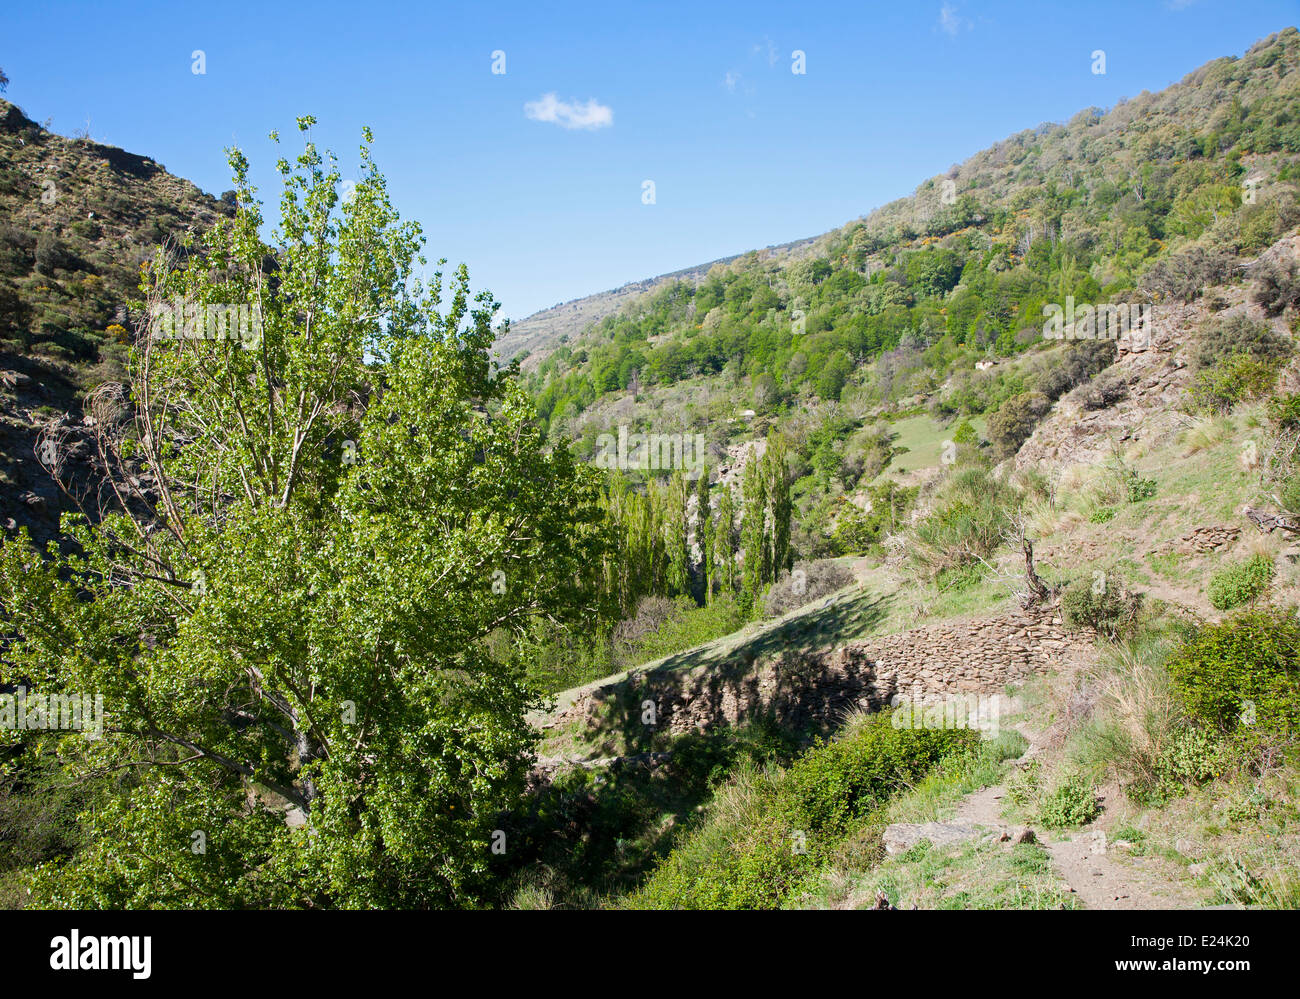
(1278, 288)
(1284, 412)
(1289, 493)
(1014, 422)
(968, 523)
(965, 434)
(845, 779)
(1140, 489)
(1026, 785)
(1103, 604)
(1106, 390)
(51, 254)
(808, 582)
(1239, 584)
(768, 832)
(1137, 729)
(1229, 336)
(1193, 757)
(856, 531)
(1232, 380)
(1246, 668)
(1180, 276)
(1072, 365)
(1072, 802)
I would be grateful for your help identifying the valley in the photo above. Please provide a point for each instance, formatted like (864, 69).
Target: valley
(674, 596)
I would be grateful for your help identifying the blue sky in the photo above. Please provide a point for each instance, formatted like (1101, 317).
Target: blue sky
(697, 97)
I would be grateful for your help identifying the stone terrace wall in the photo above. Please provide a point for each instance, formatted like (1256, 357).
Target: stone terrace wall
(801, 688)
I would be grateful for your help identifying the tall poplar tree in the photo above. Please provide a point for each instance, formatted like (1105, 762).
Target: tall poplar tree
(704, 532)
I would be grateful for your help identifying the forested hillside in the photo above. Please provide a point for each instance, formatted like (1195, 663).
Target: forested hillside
(356, 617)
(887, 316)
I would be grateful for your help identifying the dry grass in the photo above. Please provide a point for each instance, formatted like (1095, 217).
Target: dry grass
(1204, 433)
(1136, 715)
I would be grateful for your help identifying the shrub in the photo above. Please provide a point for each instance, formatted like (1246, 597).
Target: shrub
(1278, 288)
(845, 779)
(1193, 757)
(768, 832)
(1026, 785)
(1289, 493)
(1284, 412)
(1232, 380)
(1073, 365)
(1072, 802)
(1140, 489)
(1239, 584)
(967, 523)
(51, 254)
(965, 434)
(1102, 515)
(1248, 665)
(1181, 275)
(808, 582)
(1106, 390)
(857, 531)
(1229, 336)
(1137, 725)
(1103, 604)
(1014, 422)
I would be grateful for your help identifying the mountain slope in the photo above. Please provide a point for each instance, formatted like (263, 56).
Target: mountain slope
(535, 336)
(79, 219)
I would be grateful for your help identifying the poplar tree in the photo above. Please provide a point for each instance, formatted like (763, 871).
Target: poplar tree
(754, 528)
(704, 532)
(675, 528)
(276, 627)
(780, 506)
(724, 544)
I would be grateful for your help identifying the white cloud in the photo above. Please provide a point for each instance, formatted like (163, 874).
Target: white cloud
(950, 22)
(730, 81)
(766, 46)
(569, 114)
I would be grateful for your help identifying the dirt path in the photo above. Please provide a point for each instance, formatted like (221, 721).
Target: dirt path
(1099, 873)
(1087, 862)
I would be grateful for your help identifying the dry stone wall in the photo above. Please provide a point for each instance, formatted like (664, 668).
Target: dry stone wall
(801, 687)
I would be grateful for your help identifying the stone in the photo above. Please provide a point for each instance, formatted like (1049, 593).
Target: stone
(902, 836)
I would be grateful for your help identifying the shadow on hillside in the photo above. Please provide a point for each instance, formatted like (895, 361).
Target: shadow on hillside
(730, 683)
(830, 622)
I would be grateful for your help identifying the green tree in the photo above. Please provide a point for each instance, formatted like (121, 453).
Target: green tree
(724, 541)
(288, 627)
(754, 528)
(780, 506)
(675, 534)
(704, 531)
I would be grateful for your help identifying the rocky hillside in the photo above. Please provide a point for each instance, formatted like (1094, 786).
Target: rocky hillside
(79, 218)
